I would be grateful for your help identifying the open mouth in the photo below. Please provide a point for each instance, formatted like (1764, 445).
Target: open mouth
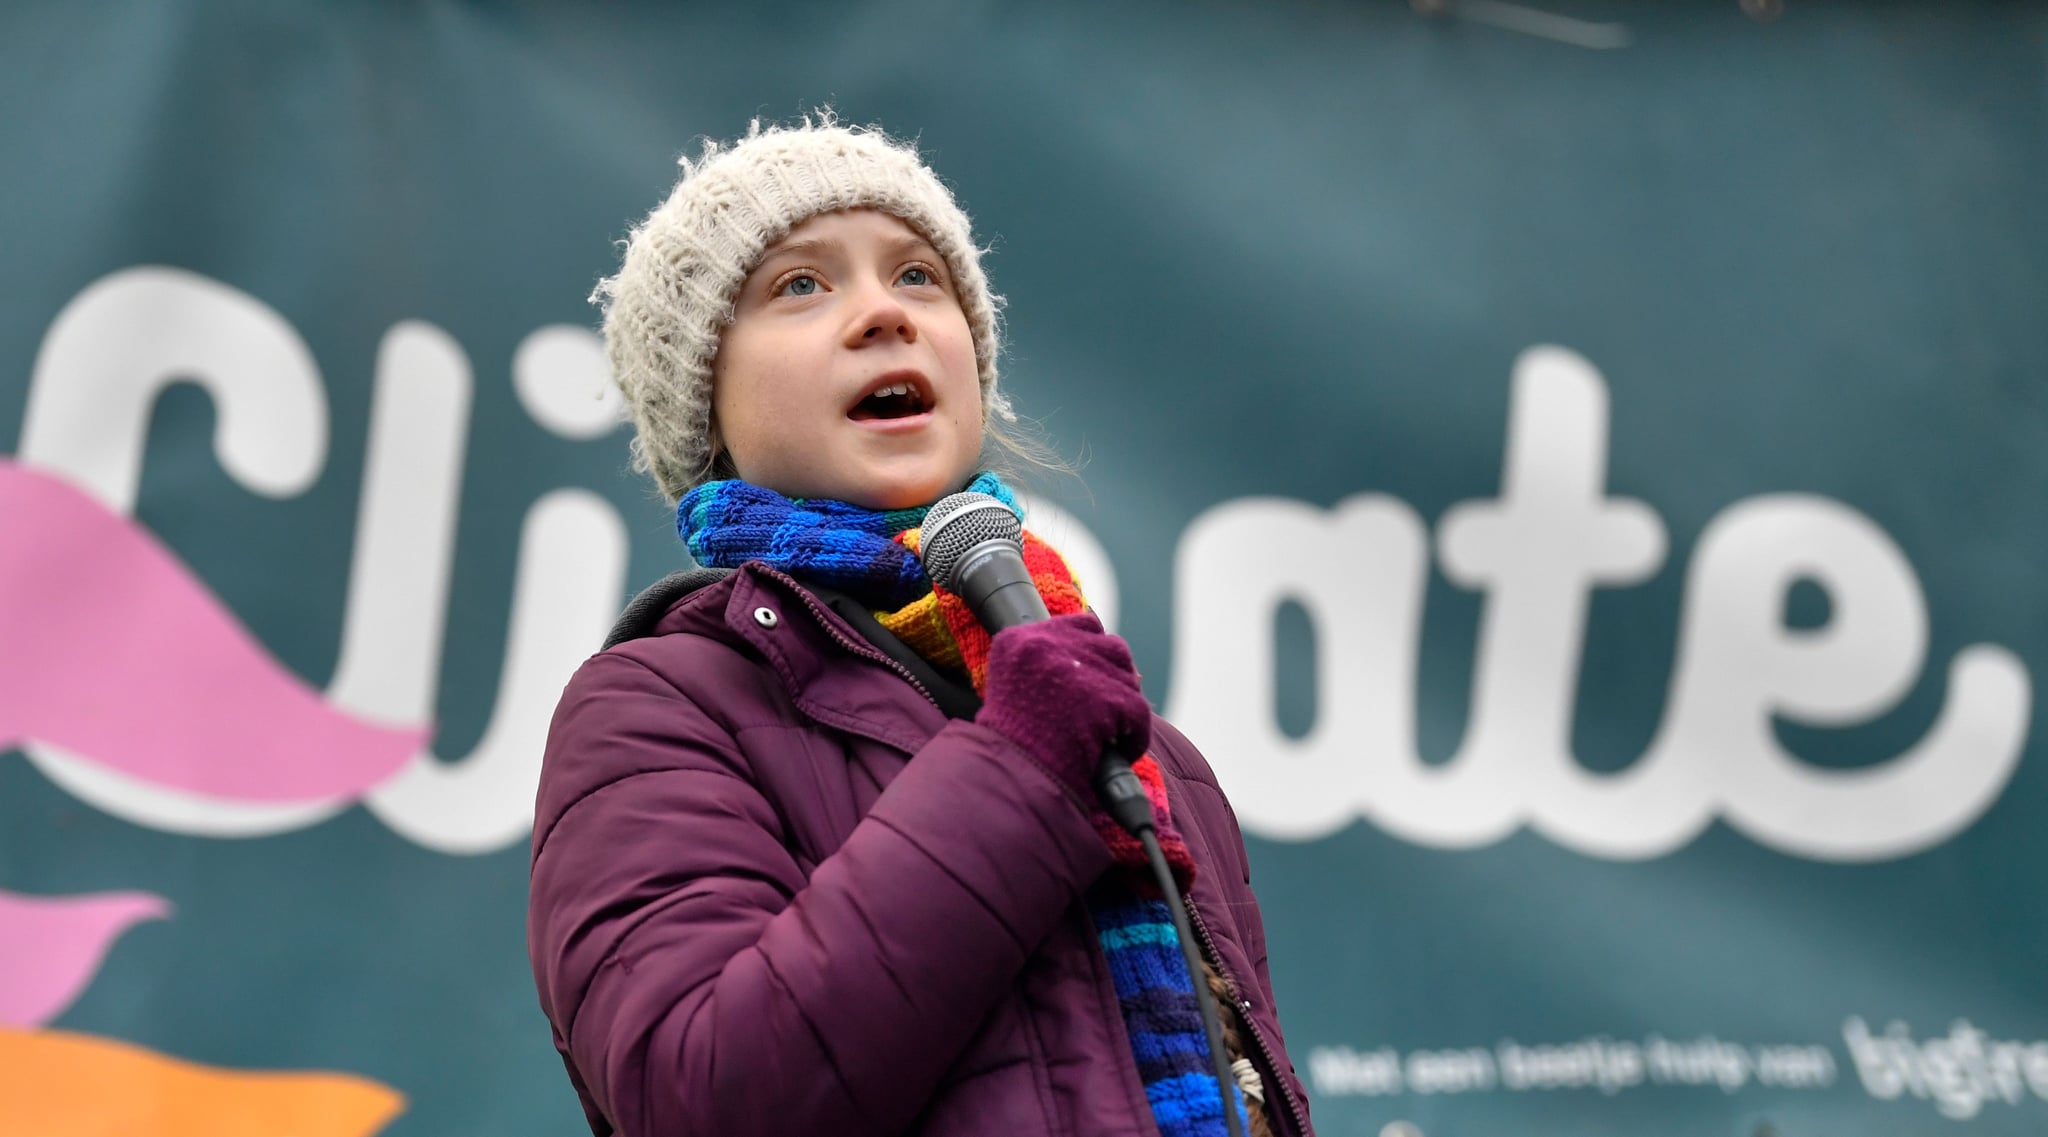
(897, 400)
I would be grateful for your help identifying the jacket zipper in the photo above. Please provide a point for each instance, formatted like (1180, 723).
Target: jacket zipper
(1245, 1013)
(865, 651)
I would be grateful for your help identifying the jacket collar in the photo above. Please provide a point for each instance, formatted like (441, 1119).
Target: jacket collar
(644, 613)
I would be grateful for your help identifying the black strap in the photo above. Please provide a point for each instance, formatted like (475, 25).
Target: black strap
(949, 691)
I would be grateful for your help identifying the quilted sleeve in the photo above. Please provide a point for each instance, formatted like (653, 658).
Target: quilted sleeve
(699, 984)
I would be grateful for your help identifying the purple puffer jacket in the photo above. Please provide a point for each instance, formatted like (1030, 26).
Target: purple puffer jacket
(754, 913)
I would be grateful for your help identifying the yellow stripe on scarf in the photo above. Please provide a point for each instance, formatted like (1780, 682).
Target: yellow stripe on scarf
(923, 625)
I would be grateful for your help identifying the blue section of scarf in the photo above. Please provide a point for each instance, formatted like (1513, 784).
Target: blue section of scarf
(848, 547)
(1157, 997)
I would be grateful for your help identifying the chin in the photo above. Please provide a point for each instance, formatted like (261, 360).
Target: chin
(901, 496)
(906, 491)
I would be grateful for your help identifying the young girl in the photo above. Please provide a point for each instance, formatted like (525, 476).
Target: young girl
(812, 853)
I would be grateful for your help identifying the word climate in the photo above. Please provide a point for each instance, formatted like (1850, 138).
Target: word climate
(1359, 569)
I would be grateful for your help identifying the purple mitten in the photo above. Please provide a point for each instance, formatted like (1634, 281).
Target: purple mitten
(1064, 690)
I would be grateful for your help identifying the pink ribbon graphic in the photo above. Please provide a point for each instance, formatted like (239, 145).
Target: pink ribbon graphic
(113, 650)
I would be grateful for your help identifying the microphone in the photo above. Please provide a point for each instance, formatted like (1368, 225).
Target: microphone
(973, 546)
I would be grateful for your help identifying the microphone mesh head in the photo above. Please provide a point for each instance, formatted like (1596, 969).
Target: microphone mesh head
(958, 523)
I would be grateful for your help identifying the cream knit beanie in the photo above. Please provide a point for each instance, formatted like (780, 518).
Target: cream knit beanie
(684, 265)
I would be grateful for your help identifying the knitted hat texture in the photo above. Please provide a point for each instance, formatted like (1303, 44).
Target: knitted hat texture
(674, 292)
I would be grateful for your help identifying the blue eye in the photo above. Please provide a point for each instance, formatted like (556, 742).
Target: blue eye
(800, 286)
(914, 277)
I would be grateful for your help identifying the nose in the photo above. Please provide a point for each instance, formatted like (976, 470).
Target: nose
(880, 316)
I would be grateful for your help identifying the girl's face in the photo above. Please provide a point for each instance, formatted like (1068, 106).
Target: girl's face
(848, 371)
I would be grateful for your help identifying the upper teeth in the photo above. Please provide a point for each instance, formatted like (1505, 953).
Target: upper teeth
(898, 389)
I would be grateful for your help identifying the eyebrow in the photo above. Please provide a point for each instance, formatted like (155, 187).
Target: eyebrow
(817, 246)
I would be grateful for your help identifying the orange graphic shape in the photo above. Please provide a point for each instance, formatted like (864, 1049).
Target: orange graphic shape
(55, 1083)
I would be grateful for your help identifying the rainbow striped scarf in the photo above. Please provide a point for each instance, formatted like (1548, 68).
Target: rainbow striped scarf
(872, 555)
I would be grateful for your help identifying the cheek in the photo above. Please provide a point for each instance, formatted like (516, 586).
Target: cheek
(971, 426)
(956, 349)
(728, 368)
(750, 380)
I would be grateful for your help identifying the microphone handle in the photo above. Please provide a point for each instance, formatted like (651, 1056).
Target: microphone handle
(1008, 605)
(997, 587)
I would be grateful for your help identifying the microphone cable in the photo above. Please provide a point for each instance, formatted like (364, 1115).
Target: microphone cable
(1124, 797)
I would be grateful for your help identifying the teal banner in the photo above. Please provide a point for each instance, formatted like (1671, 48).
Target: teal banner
(1577, 470)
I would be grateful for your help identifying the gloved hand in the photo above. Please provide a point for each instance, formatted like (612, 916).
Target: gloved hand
(1064, 690)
